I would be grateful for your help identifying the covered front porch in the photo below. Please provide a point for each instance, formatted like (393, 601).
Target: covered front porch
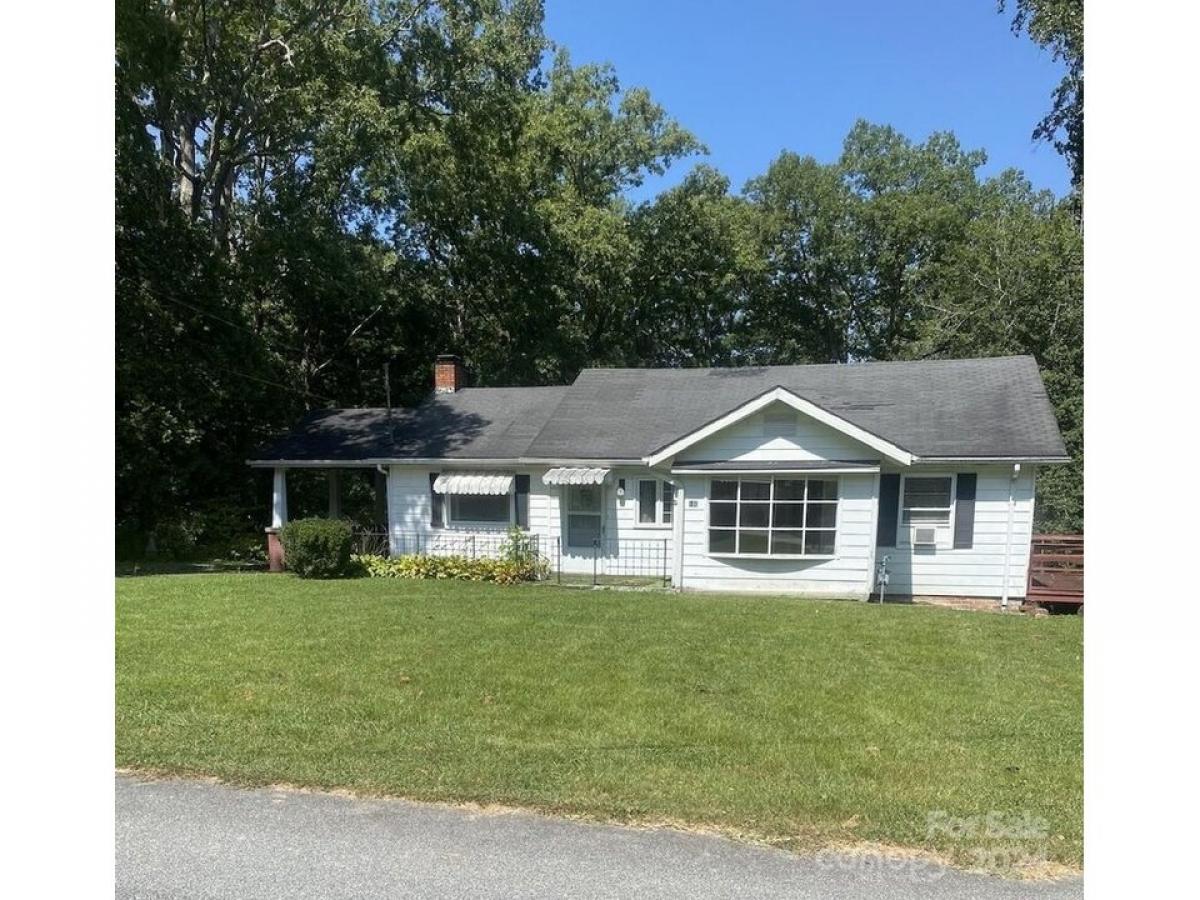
(356, 493)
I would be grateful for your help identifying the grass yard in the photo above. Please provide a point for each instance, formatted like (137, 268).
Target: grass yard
(803, 723)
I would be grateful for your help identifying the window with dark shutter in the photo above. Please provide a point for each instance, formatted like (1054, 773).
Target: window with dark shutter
(964, 511)
(889, 510)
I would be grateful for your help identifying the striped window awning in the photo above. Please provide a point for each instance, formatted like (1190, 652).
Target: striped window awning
(472, 483)
(573, 475)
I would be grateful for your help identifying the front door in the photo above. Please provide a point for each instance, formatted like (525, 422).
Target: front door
(585, 515)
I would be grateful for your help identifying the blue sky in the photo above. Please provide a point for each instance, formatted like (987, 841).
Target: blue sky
(754, 77)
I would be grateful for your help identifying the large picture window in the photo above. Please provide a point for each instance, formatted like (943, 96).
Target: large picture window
(487, 509)
(773, 516)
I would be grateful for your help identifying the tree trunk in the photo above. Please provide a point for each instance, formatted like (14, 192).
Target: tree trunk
(186, 164)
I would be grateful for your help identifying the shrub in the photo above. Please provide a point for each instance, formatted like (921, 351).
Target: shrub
(317, 548)
(498, 571)
(519, 547)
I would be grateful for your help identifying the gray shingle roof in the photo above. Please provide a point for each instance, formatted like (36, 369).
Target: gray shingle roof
(475, 423)
(990, 408)
(970, 407)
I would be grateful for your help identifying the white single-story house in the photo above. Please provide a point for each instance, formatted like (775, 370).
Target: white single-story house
(798, 479)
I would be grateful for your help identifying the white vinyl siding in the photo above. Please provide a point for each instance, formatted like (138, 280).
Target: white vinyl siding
(410, 506)
(977, 571)
(764, 436)
(973, 572)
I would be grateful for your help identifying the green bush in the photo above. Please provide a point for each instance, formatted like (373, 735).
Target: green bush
(317, 548)
(499, 571)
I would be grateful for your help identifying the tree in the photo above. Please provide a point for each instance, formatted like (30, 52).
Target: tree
(515, 226)
(847, 246)
(1057, 25)
(695, 263)
(310, 190)
(1014, 284)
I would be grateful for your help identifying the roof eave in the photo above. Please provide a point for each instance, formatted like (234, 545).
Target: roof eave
(989, 460)
(453, 461)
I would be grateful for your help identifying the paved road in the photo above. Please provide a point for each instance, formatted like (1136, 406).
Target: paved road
(204, 840)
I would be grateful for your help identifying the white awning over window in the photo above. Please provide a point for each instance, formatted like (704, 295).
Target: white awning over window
(472, 483)
(571, 475)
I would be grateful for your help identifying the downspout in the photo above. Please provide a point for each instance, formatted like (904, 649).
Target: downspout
(871, 573)
(677, 528)
(1012, 482)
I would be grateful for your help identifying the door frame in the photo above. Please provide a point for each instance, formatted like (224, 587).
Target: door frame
(568, 510)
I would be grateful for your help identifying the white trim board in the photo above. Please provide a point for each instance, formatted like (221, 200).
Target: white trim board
(782, 395)
(751, 469)
(445, 462)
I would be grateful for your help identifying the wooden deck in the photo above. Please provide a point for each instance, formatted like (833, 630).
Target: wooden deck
(1055, 569)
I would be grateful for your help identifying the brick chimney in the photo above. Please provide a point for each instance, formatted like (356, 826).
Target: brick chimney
(448, 374)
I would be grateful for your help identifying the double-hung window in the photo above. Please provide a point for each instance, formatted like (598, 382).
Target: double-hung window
(656, 502)
(773, 516)
(927, 503)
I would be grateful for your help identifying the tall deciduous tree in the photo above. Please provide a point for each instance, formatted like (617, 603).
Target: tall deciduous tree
(695, 265)
(1057, 25)
(309, 190)
(1014, 284)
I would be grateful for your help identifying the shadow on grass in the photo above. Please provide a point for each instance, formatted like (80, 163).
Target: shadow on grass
(131, 568)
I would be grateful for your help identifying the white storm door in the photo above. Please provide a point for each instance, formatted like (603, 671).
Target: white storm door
(585, 511)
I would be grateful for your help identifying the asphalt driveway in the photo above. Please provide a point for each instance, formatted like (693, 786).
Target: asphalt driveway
(179, 838)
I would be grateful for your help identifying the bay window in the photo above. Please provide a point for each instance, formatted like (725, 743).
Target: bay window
(762, 516)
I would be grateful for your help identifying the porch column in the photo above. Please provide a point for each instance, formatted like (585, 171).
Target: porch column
(279, 499)
(334, 478)
(278, 520)
(678, 531)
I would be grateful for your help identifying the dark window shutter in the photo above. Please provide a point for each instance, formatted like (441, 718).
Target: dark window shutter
(964, 511)
(522, 484)
(437, 515)
(889, 510)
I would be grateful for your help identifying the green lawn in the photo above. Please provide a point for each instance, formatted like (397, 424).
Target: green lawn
(799, 722)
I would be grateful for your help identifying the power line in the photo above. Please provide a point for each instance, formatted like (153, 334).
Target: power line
(197, 309)
(297, 390)
(303, 391)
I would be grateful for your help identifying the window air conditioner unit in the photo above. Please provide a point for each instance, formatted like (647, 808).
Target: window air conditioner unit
(924, 537)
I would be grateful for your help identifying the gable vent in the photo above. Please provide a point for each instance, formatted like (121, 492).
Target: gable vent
(779, 421)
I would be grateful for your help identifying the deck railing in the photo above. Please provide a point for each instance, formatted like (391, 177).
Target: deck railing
(1055, 569)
